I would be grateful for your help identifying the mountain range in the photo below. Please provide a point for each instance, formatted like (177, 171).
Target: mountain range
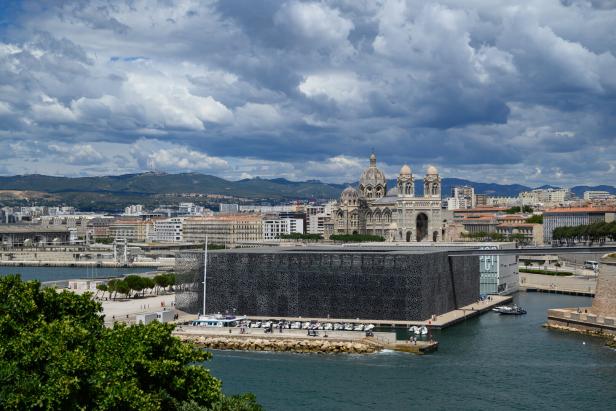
(111, 193)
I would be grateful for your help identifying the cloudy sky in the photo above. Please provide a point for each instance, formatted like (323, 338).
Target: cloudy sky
(493, 91)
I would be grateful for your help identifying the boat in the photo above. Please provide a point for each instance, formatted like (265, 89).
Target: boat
(509, 310)
(414, 329)
(306, 325)
(423, 330)
(369, 327)
(358, 327)
(348, 327)
(328, 326)
(338, 327)
(217, 321)
(296, 325)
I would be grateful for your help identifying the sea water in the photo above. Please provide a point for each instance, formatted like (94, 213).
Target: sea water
(486, 363)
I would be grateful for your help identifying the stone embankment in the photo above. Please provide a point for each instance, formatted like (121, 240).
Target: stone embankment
(280, 344)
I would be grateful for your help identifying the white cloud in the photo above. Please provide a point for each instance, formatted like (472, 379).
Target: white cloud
(343, 88)
(174, 157)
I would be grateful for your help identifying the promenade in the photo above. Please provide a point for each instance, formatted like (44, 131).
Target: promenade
(577, 285)
(439, 321)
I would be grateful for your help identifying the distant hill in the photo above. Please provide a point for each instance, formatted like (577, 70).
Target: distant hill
(112, 193)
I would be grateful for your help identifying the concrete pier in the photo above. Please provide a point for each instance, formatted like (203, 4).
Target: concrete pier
(298, 341)
(600, 318)
(436, 322)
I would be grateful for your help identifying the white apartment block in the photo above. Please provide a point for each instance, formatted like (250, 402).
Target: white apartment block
(550, 196)
(136, 209)
(316, 216)
(274, 228)
(230, 230)
(169, 230)
(597, 195)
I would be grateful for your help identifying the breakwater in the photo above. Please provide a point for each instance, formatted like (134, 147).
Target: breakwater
(285, 344)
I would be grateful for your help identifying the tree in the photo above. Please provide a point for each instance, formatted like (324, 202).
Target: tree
(134, 283)
(102, 287)
(148, 283)
(535, 219)
(56, 353)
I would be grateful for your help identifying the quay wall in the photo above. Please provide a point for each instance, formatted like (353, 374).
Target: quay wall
(341, 284)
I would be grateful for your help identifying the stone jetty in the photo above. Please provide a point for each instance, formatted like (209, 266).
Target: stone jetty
(348, 342)
(280, 344)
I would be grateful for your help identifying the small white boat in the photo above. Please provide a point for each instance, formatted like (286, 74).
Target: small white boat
(306, 325)
(358, 327)
(217, 321)
(328, 326)
(348, 327)
(423, 330)
(296, 325)
(338, 326)
(257, 324)
(369, 327)
(415, 330)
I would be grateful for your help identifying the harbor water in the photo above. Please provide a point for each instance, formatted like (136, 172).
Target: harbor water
(490, 362)
(69, 273)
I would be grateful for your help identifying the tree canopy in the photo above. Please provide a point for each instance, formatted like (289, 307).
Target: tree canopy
(356, 238)
(56, 353)
(535, 219)
(596, 232)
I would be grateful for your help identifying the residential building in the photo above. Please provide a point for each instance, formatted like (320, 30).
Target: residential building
(130, 229)
(225, 208)
(230, 230)
(274, 228)
(134, 210)
(190, 209)
(545, 196)
(167, 231)
(533, 233)
(480, 223)
(465, 195)
(574, 216)
(597, 195)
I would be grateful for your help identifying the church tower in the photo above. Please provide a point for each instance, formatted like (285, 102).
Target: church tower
(432, 183)
(406, 182)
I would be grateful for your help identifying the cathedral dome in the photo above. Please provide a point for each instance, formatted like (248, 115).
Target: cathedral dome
(405, 170)
(372, 182)
(349, 193)
(432, 170)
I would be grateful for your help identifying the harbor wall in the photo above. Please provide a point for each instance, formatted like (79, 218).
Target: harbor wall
(365, 285)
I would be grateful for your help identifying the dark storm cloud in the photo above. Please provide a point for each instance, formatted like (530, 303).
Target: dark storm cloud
(306, 89)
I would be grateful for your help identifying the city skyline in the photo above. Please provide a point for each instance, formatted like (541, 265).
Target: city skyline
(305, 90)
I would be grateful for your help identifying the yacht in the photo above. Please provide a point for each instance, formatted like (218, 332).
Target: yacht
(509, 310)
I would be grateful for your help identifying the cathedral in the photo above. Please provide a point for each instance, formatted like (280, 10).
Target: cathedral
(396, 214)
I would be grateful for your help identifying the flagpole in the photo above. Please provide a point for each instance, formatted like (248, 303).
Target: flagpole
(204, 275)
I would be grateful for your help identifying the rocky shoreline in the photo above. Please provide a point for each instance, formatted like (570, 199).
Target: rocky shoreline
(285, 344)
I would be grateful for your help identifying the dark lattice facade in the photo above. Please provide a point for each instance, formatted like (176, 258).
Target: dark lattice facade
(387, 285)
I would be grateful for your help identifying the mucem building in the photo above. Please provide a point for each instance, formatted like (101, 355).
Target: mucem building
(380, 284)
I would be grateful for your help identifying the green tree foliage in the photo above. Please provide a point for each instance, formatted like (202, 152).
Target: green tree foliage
(57, 354)
(517, 209)
(104, 240)
(164, 280)
(535, 219)
(299, 236)
(596, 232)
(356, 238)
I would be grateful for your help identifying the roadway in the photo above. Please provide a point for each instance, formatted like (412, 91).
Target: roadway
(536, 251)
